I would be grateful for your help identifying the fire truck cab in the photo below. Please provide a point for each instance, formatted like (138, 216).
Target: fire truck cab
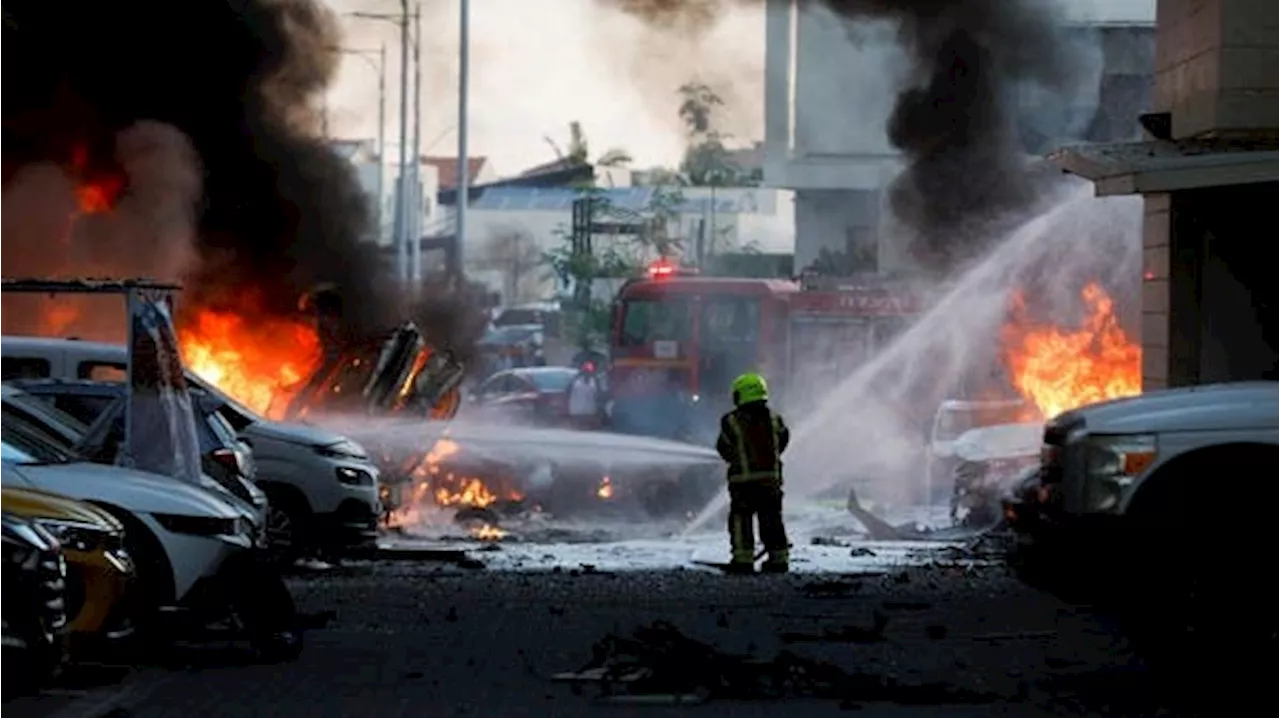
(679, 339)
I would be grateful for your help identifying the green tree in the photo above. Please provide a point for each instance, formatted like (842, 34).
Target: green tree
(706, 161)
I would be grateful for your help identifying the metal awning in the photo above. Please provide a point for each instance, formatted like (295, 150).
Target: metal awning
(1166, 166)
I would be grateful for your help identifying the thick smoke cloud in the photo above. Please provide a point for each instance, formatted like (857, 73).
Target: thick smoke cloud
(225, 90)
(954, 120)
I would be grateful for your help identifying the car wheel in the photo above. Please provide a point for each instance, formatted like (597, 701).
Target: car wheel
(284, 534)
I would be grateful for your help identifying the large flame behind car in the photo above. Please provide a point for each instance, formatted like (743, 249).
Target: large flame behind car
(1059, 369)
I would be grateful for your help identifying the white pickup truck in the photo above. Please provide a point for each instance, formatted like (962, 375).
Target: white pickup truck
(1159, 506)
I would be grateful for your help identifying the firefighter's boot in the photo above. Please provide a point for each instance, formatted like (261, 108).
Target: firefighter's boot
(740, 568)
(778, 562)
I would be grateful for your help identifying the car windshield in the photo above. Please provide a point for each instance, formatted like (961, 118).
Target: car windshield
(518, 316)
(509, 334)
(37, 446)
(551, 381)
(236, 414)
(956, 421)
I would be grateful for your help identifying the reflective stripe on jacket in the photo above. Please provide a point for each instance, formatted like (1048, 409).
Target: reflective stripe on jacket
(752, 439)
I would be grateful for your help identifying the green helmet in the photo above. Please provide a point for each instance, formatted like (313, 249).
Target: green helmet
(748, 388)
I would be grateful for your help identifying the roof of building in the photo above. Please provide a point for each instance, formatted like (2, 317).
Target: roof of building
(1165, 166)
(625, 198)
(447, 167)
(557, 179)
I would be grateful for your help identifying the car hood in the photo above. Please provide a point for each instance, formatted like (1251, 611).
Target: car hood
(135, 491)
(293, 433)
(1000, 441)
(36, 504)
(1211, 407)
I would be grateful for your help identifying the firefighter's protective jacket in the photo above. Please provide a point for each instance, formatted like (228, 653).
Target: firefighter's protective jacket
(752, 439)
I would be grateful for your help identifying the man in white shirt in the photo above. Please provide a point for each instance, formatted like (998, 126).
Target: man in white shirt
(584, 398)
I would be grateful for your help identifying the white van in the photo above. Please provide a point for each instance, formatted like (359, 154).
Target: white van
(323, 487)
(953, 419)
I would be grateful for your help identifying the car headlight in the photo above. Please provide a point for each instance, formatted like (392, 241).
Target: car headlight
(76, 535)
(202, 525)
(1111, 465)
(345, 449)
(353, 477)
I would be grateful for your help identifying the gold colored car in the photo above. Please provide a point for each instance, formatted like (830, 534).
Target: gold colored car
(100, 574)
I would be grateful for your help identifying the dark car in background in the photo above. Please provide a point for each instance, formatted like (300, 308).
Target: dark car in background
(530, 395)
(511, 346)
(35, 617)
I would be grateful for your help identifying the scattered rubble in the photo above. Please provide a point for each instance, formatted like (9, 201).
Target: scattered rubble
(660, 665)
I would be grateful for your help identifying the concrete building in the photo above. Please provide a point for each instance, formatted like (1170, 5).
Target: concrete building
(827, 101)
(1208, 176)
(511, 228)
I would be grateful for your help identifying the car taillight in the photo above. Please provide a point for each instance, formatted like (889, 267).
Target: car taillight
(227, 459)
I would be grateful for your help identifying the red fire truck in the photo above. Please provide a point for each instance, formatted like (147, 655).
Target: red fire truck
(679, 339)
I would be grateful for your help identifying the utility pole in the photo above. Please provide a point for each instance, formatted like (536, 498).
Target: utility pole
(415, 225)
(402, 258)
(382, 138)
(464, 167)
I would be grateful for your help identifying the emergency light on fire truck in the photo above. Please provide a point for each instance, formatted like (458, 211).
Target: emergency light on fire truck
(663, 267)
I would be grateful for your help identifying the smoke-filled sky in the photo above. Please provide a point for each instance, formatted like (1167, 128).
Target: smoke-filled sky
(536, 66)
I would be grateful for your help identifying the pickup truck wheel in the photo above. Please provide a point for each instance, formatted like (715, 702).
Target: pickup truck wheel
(1197, 613)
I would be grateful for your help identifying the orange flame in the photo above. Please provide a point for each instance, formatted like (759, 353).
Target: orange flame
(99, 195)
(97, 192)
(605, 491)
(1059, 370)
(488, 532)
(260, 362)
(433, 483)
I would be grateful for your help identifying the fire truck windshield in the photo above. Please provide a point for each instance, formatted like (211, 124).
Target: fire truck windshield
(650, 320)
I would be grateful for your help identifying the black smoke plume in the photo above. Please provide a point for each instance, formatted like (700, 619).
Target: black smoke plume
(214, 100)
(956, 119)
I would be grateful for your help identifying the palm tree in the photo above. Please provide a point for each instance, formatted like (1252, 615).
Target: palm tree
(579, 151)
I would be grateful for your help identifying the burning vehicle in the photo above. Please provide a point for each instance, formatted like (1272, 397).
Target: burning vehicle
(397, 374)
(990, 459)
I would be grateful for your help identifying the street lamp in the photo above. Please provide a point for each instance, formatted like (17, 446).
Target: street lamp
(381, 68)
(464, 166)
(400, 224)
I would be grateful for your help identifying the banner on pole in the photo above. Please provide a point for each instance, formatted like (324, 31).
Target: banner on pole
(162, 431)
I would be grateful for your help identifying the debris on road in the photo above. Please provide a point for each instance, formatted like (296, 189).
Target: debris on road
(456, 557)
(660, 665)
(845, 634)
(880, 530)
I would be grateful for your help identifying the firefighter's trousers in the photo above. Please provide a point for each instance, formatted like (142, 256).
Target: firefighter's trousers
(757, 500)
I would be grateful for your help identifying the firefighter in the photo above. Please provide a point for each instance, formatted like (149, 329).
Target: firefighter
(752, 439)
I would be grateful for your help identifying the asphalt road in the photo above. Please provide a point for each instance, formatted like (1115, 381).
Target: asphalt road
(419, 639)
